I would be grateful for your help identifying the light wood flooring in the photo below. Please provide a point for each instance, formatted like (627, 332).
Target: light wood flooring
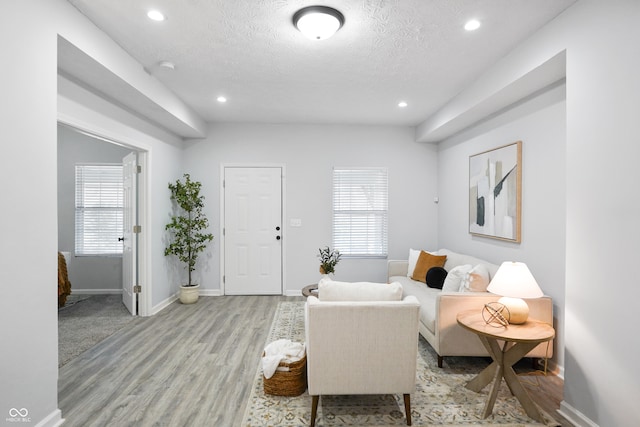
(190, 365)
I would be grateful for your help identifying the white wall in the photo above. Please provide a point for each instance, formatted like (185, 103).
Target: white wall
(88, 274)
(602, 104)
(28, 318)
(539, 123)
(603, 201)
(87, 112)
(30, 109)
(308, 154)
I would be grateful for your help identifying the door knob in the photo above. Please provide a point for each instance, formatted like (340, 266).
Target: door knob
(120, 239)
(277, 228)
(278, 237)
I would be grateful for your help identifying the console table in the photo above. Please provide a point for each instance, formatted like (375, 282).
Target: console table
(518, 341)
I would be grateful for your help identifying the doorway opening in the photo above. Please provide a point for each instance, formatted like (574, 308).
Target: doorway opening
(108, 273)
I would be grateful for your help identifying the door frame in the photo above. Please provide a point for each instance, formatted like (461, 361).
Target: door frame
(283, 189)
(144, 239)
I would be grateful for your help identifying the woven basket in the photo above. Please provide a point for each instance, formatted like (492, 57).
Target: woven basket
(288, 383)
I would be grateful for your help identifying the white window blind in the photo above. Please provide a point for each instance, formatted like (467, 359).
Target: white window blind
(360, 212)
(99, 210)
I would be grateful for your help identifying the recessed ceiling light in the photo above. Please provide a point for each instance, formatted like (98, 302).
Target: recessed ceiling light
(156, 15)
(221, 99)
(472, 25)
(402, 104)
(318, 22)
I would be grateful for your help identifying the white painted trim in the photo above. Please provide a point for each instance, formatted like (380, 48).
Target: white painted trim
(144, 239)
(293, 293)
(211, 293)
(574, 416)
(283, 200)
(163, 304)
(54, 419)
(96, 291)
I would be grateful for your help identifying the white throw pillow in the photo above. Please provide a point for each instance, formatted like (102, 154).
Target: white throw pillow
(413, 260)
(414, 254)
(476, 280)
(454, 278)
(359, 291)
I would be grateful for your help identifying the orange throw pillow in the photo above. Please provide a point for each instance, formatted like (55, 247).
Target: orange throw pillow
(425, 262)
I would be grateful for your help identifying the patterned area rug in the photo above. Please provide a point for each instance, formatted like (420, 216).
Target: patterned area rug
(440, 399)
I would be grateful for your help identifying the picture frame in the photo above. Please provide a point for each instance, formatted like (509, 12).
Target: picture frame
(495, 193)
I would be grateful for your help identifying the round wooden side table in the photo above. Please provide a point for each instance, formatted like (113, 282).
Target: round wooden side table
(518, 341)
(310, 290)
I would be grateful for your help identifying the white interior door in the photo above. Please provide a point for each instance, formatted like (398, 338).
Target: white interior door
(130, 238)
(253, 231)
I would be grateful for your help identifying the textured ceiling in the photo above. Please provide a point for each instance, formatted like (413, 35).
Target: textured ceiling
(388, 50)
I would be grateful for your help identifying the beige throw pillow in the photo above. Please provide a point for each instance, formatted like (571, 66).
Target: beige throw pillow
(425, 262)
(329, 290)
(476, 280)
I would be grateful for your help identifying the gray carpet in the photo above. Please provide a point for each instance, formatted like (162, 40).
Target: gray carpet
(85, 320)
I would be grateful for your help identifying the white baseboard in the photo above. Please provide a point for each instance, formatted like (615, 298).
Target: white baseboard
(163, 304)
(54, 419)
(293, 293)
(96, 291)
(574, 416)
(210, 292)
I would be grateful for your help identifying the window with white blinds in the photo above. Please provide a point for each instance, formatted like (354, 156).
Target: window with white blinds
(360, 212)
(99, 209)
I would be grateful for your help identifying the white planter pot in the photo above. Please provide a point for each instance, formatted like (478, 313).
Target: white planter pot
(189, 294)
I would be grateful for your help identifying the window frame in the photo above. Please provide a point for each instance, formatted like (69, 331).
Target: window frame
(369, 212)
(107, 201)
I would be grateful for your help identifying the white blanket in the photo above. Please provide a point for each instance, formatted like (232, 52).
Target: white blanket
(278, 351)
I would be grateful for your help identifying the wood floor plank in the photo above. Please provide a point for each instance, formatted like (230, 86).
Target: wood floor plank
(190, 365)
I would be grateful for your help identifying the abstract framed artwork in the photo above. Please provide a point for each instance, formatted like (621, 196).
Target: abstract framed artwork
(495, 192)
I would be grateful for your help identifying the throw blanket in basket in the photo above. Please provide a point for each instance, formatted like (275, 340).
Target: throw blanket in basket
(282, 350)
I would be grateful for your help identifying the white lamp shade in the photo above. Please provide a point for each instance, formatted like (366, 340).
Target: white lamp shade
(318, 22)
(513, 279)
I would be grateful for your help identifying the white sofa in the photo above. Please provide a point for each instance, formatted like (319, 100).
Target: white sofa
(361, 338)
(438, 309)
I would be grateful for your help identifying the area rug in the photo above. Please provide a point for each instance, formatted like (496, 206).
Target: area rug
(440, 399)
(86, 320)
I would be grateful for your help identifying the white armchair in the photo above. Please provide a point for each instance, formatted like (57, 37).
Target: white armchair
(361, 347)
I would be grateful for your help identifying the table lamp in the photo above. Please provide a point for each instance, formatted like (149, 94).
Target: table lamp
(514, 281)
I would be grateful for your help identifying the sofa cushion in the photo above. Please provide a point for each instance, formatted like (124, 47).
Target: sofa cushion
(436, 277)
(426, 261)
(329, 290)
(425, 295)
(455, 276)
(454, 259)
(476, 280)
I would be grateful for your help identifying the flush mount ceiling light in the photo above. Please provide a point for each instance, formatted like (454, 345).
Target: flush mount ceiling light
(472, 25)
(156, 15)
(318, 22)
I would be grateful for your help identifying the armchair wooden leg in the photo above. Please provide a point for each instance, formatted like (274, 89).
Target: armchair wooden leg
(314, 409)
(440, 360)
(407, 407)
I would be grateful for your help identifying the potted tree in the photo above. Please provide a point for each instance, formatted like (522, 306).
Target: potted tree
(187, 236)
